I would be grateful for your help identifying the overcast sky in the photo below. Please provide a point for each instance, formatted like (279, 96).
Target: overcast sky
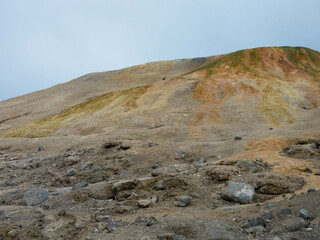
(46, 42)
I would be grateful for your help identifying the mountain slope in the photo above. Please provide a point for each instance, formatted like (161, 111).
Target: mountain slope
(238, 93)
(37, 105)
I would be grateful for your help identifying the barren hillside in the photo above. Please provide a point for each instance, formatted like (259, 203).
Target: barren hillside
(222, 147)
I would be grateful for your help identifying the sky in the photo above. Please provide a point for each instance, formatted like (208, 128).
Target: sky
(47, 42)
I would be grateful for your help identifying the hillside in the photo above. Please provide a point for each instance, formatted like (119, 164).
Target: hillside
(37, 105)
(250, 89)
(222, 147)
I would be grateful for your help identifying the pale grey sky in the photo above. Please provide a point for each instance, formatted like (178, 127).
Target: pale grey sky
(46, 42)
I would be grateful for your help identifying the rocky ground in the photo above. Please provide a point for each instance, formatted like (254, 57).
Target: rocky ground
(100, 188)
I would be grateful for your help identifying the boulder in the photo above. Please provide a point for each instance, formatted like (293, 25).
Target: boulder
(35, 196)
(294, 224)
(238, 192)
(248, 166)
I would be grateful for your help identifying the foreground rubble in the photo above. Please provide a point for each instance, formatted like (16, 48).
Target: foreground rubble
(101, 193)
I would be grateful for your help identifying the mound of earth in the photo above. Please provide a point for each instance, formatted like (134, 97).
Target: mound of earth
(304, 149)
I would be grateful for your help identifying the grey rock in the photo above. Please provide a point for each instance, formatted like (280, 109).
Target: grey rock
(156, 174)
(144, 203)
(151, 221)
(179, 204)
(199, 165)
(72, 172)
(201, 160)
(101, 226)
(248, 166)
(111, 224)
(278, 229)
(13, 233)
(35, 196)
(151, 144)
(160, 185)
(295, 224)
(238, 192)
(140, 219)
(80, 185)
(38, 149)
(183, 201)
(71, 160)
(62, 213)
(195, 195)
(34, 165)
(86, 165)
(315, 224)
(303, 213)
(311, 189)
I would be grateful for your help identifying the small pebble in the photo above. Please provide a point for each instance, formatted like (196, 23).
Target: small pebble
(71, 172)
(151, 221)
(303, 213)
(13, 233)
(62, 212)
(311, 189)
